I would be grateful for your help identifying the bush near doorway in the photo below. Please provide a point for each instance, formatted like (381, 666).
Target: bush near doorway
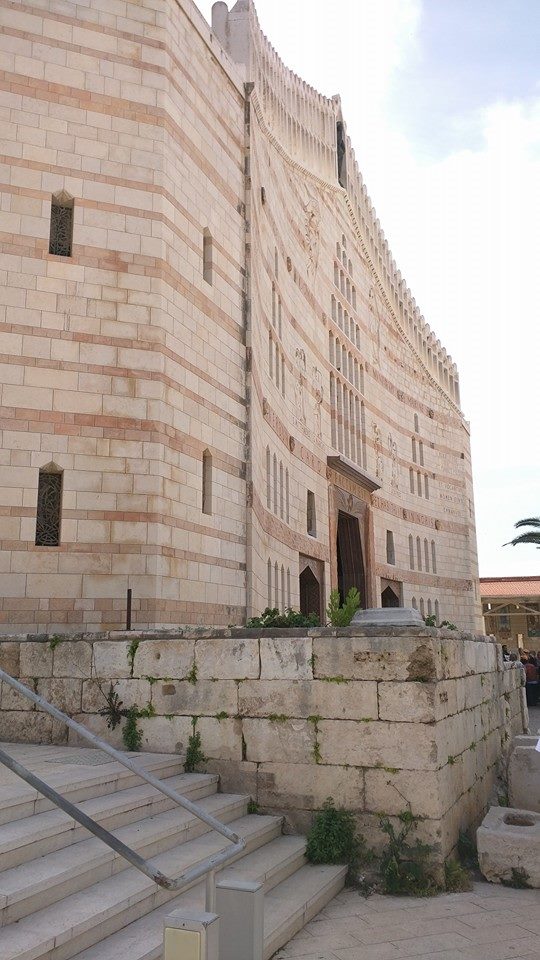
(271, 617)
(340, 615)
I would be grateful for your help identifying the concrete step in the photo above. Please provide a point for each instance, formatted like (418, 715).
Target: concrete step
(43, 881)
(85, 918)
(25, 839)
(143, 939)
(80, 782)
(292, 903)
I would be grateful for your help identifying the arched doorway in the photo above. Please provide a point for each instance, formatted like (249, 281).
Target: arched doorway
(350, 559)
(310, 593)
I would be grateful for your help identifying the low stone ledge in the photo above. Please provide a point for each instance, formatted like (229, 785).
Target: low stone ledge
(524, 777)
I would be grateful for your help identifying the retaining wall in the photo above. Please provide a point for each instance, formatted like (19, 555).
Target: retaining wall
(381, 721)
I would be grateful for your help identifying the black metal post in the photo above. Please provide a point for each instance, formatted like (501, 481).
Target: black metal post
(128, 610)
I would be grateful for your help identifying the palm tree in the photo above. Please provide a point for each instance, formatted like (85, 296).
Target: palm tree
(530, 536)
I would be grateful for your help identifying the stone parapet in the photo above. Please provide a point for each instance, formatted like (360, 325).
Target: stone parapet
(382, 720)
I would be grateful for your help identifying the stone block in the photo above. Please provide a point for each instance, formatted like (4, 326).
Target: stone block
(10, 657)
(509, 846)
(376, 658)
(97, 725)
(161, 735)
(10, 699)
(64, 693)
(21, 726)
(391, 791)
(221, 739)
(203, 698)
(111, 660)
(227, 658)
(524, 777)
(355, 699)
(72, 659)
(307, 786)
(131, 693)
(286, 658)
(375, 743)
(164, 658)
(36, 659)
(411, 702)
(288, 741)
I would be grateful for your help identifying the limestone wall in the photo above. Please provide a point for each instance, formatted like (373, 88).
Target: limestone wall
(416, 717)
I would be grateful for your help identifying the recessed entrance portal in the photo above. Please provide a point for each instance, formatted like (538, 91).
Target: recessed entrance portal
(350, 560)
(311, 585)
(310, 593)
(391, 593)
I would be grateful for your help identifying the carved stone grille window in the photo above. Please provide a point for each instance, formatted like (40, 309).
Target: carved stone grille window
(61, 236)
(49, 509)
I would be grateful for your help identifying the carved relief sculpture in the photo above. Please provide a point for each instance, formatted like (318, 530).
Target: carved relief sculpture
(300, 358)
(392, 449)
(379, 463)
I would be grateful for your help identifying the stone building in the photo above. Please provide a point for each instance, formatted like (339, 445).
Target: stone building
(217, 389)
(511, 607)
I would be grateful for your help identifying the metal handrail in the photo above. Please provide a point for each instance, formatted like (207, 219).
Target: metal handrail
(206, 867)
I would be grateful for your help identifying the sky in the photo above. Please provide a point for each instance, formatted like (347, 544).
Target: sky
(442, 103)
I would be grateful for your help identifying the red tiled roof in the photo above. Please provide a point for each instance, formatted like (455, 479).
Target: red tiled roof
(509, 587)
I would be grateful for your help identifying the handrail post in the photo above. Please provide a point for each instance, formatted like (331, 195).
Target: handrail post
(211, 891)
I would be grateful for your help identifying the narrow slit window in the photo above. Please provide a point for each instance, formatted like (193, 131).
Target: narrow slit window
(411, 552)
(61, 233)
(311, 514)
(268, 480)
(426, 555)
(207, 482)
(419, 553)
(207, 256)
(422, 608)
(390, 549)
(426, 487)
(49, 508)
(433, 557)
(437, 611)
(269, 581)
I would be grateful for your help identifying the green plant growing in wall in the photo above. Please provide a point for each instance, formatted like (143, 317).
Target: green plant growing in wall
(55, 640)
(194, 754)
(131, 734)
(340, 614)
(114, 711)
(192, 675)
(131, 651)
(402, 863)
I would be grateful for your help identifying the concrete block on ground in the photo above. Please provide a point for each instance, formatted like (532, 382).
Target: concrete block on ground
(509, 846)
(524, 777)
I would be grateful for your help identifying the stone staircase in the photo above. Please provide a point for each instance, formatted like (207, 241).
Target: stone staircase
(65, 894)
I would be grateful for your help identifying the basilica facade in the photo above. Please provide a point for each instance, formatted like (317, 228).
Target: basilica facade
(217, 391)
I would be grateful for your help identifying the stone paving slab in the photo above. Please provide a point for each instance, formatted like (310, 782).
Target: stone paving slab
(488, 923)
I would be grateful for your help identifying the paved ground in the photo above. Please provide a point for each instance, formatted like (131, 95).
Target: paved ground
(489, 923)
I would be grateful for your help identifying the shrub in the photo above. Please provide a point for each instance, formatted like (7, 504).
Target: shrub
(333, 837)
(271, 617)
(340, 615)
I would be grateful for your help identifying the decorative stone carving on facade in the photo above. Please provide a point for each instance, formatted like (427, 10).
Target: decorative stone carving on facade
(300, 359)
(392, 449)
(318, 400)
(312, 227)
(379, 463)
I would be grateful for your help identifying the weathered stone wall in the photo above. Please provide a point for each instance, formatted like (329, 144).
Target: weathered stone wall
(417, 717)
